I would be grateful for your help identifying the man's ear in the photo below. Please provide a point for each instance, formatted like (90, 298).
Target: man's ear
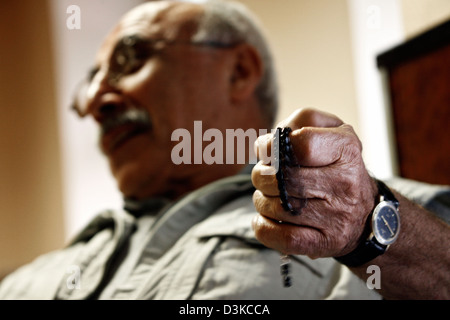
(247, 72)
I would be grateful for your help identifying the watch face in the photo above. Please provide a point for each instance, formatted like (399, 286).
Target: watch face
(385, 223)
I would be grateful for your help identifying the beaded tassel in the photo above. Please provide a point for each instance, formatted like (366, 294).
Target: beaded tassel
(285, 270)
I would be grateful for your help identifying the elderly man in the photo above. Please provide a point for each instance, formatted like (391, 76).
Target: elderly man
(188, 229)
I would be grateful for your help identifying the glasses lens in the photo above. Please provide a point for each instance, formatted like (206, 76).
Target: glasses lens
(129, 56)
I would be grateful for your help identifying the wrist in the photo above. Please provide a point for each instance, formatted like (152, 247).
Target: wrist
(381, 230)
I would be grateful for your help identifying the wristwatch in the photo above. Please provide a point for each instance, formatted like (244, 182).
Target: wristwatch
(383, 228)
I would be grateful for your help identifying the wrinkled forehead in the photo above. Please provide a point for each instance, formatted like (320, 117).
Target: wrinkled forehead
(155, 20)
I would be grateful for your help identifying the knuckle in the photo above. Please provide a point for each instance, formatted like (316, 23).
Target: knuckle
(256, 176)
(257, 200)
(304, 140)
(348, 189)
(350, 137)
(259, 231)
(262, 175)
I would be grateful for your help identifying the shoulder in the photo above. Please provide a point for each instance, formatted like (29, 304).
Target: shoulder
(43, 277)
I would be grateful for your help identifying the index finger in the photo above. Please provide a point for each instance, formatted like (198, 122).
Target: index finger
(309, 117)
(299, 119)
(315, 147)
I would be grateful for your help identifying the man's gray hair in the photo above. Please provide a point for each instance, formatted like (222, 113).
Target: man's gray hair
(230, 22)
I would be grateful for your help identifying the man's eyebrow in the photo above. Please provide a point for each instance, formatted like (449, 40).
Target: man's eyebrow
(125, 37)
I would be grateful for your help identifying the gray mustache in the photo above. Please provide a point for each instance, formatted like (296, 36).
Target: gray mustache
(133, 116)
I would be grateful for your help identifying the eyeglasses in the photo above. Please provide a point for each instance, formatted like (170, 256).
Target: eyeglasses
(129, 55)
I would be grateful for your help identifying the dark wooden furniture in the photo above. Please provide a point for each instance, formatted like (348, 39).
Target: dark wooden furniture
(418, 88)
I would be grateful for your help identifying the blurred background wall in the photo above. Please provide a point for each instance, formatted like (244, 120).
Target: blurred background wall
(53, 180)
(31, 187)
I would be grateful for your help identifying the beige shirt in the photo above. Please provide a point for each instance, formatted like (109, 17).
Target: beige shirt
(201, 247)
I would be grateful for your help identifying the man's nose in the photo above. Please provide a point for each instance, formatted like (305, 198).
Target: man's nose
(103, 97)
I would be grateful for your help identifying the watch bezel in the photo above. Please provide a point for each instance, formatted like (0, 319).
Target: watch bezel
(375, 230)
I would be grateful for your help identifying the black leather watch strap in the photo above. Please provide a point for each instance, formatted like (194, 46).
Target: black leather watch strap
(387, 193)
(367, 250)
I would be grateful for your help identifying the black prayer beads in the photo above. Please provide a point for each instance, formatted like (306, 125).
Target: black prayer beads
(284, 156)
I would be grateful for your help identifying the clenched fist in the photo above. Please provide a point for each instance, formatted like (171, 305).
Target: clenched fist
(330, 188)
